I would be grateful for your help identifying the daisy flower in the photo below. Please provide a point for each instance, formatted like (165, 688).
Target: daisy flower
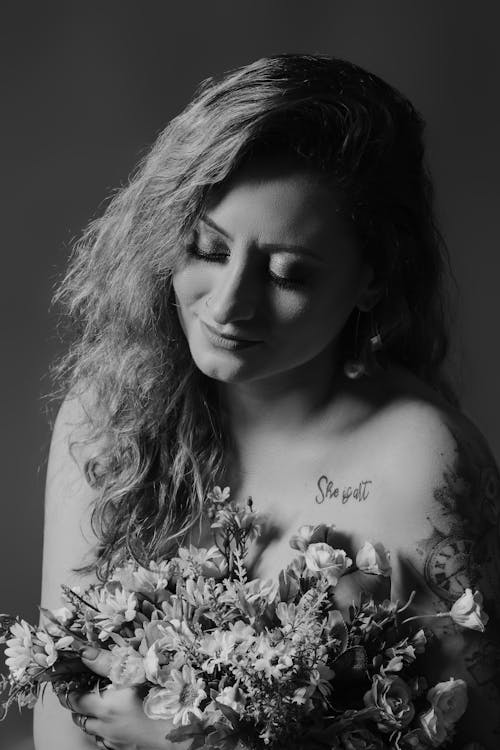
(270, 659)
(194, 561)
(45, 649)
(143, 580)
(218, 646)
(18, 651)
(115, 608)
(219, 496)
(232, 697)
(181, 696)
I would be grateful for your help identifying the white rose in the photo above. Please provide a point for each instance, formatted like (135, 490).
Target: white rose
(468, 611)
(433, 726)
(127, 667)
(392, 697)
(450, 698)
(419, 641)
(374, 559)
(308, 534)
(63, 614)
(156, 664)
(232, 697)
(331, 562)
(155, 703)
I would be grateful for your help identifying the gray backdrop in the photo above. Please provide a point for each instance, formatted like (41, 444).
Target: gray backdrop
(88, 85)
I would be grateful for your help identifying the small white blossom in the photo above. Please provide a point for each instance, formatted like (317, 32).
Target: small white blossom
(19, 649)
(468, 611)
(374, 559)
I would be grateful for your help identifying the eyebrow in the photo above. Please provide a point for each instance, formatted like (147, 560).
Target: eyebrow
(276, 247)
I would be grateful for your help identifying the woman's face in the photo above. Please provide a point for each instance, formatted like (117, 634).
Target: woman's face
(270, 279)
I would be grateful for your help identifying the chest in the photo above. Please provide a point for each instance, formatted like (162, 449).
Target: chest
(295, 485)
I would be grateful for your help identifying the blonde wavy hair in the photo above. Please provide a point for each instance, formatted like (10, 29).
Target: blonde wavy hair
(167, 438)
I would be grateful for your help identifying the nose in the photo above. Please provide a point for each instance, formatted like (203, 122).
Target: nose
(234, 296)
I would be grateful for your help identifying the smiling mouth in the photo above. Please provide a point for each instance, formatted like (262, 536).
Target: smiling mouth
(226, 341)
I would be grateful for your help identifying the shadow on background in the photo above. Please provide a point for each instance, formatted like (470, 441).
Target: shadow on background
(88, 87)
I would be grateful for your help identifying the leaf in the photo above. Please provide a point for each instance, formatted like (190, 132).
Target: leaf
(198, 741)
(196, 729)
(79, 639)
(240, 567)
(338, 628)
(118, 639)
(289, 586)
(223, 738)
(72, 595)
(231, 715)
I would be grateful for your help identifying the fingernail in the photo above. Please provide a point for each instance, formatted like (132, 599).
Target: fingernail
(90, 653)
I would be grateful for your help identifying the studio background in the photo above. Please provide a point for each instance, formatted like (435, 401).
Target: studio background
(87, 87)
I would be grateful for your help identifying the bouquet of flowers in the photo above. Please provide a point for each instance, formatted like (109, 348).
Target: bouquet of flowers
(253, 663)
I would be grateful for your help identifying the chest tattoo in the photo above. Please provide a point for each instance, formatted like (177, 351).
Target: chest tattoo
(328, 489)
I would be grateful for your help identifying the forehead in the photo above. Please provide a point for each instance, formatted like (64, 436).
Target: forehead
(280, 205)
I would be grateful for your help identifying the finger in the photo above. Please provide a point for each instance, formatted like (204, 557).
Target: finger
(88, 724)
(105, 745)
(64, 699)
(85, 703)
(69, 699)
(97, 659)
(68, 666)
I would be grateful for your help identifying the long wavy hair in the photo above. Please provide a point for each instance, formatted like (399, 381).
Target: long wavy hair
(167, 439)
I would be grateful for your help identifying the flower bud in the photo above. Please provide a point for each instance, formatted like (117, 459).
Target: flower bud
(468, 612)
(374, 559)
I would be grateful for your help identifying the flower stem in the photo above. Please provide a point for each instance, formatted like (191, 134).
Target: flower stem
(410, 599)
(418, 617)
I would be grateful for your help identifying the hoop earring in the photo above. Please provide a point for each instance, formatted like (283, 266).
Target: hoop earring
(364, 361)
(375, 338)
(354, 367)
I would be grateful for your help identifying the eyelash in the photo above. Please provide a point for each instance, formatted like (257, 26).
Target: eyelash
(279, 281)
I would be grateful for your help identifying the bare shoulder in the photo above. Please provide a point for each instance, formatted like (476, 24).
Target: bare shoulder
(422, 437)
(69, 539)
(76, 422)
(444, 486)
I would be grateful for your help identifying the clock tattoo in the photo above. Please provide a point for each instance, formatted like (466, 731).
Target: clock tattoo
(449, 568)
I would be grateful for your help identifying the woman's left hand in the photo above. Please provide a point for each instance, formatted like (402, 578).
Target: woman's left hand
(116, 715)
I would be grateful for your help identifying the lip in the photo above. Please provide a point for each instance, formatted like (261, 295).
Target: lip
(226, 341)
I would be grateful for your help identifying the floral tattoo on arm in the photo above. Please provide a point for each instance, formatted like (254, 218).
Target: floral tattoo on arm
(463, 551)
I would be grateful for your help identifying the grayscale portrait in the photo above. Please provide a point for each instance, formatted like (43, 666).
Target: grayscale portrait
(250, 402)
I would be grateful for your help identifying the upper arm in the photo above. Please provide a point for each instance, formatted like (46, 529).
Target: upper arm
(452, 487)
(68, 540)
(68, 536)
(451, 484)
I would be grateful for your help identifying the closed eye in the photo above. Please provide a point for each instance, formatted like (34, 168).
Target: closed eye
(217, 255)
(212, 256)
(285, 283)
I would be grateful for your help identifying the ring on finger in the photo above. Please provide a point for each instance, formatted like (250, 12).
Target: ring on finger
(66, 701)
(81, 721)
(99, 741)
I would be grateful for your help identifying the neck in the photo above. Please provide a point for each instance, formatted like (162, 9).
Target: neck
(286, 401)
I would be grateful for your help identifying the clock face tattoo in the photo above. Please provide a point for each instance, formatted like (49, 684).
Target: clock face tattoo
(449, 569)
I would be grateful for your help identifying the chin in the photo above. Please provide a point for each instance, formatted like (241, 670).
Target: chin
(226, 369)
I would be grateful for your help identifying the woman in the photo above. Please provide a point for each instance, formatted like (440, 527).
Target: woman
(262, 307)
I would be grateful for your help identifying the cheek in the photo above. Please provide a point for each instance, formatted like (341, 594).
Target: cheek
(189, 284)
(317, 315)
(292, 308)
(312, 321)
